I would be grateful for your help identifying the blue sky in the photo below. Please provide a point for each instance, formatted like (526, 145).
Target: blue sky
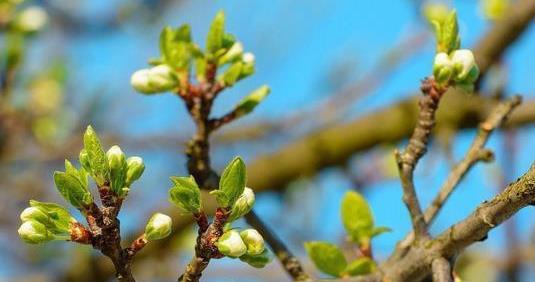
(296, 44)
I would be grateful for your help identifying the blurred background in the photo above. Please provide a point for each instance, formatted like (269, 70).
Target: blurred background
(327, 62)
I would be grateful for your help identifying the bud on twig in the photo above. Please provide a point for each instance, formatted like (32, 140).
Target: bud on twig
(242, 205)
(118, 168)
(135, 168)
(465, 66)
(158, 227)
(33, 232)
(253, 241)
(232, 54)
(231, 244)
(442, 68)
(154, 80)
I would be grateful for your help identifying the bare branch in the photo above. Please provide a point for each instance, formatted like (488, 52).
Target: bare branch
(441, 270)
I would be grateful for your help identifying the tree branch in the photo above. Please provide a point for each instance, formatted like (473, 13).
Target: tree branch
(441, 270)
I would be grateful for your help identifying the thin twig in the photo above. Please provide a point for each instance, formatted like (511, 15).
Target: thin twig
(199, 99)
(416, 148)
(475, 153)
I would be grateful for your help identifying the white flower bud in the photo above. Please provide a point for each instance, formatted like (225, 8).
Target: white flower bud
(160, 78)
(33, 232)
(158, 227)
(31, 19)
(442, 68)
(243, 204)
(253, 241)
(464, 65)
(248, 58)
(231, 244)
(234, 52)
(33, 213)
(116, 157)
(135, 168)
(140, 81)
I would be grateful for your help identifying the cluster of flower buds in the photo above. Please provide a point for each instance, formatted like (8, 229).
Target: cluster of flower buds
(158, 227)
(153, 80)
(248, 245)
(242, 66)
(459, 67)
(43, 222)
(123, 171)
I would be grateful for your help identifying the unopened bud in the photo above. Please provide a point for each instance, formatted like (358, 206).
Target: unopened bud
(442, 68)
(154, 80)
(33, 213)
(465, 66)
(258, 261)
(158, 227)
(243, 204)
(116, 157)
(253, 241)
(232, 54)
(33, 232)
(231, 244)
(135, 168)
(31, 19)
(248, 58)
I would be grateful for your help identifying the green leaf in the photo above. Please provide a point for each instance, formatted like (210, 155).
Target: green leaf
(327, 257)
(214, 40)
(96, 157)
(72, 190)
(356, 217)
(232, 74)
(361, 266)
(258, 261)
(185, 194)
(232, 183)
(448, 34)
(175, 46)
(380, 230)
(249, 103)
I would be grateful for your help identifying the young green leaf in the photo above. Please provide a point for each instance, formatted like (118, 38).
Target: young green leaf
(214, 40)
(96, 157)
(258, 261)
(185, 194)
(380, 230)
(360, 266)
(249, 103)
(232, 183)
(356, 217)
(232, 74)
(72, 190)
(327, 257)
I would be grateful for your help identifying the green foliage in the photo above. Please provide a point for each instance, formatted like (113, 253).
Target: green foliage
(327, 257)
(215, 37)
(72, 185)
(447, 33)
(96, 157)
(185, 194)
(258, 261)
(249, 103)
(232, 183)
(360, 266)
(57, 220)
(176, 48)
(358, 219)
